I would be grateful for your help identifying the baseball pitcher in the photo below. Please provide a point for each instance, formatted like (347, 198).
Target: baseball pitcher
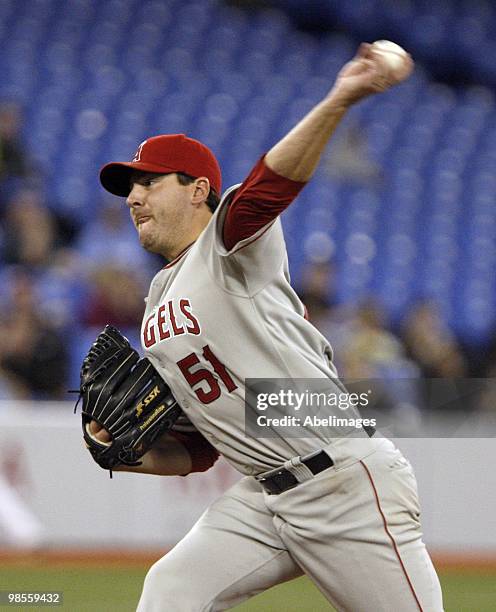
(341, 508)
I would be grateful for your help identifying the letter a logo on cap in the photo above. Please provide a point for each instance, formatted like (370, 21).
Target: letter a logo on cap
(137, 156)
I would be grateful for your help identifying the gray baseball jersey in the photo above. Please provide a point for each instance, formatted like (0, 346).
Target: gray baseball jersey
(214, 318)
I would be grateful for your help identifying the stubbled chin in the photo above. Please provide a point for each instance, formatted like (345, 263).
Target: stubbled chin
(148, 242)
(145, 235)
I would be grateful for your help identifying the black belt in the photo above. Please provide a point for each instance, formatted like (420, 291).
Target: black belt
(283, 480)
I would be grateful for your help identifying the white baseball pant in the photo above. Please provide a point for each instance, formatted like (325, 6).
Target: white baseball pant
(354, 529)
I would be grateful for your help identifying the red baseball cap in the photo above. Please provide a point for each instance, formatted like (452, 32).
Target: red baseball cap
(164, 154)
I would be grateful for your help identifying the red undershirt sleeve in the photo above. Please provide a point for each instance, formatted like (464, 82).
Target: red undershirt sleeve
(258, 201)
(203, 454)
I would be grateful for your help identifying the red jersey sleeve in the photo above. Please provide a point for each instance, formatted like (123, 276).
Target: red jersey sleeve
(258, 201)
(203, 454)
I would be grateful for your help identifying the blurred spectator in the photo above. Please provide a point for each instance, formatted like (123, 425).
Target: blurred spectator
(365, 350)
(33, 356)
(373, 360)
(316, 292)
(13, 160)
(116, 297)
(431, 344)
(31, 237)
(371, 350)
(348, 159)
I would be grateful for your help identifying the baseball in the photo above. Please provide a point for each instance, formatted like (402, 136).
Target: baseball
(394, 58)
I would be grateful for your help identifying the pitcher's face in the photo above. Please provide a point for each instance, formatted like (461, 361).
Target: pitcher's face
(160, 208)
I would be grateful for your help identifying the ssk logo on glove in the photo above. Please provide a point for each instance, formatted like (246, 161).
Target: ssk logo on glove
(149, 398)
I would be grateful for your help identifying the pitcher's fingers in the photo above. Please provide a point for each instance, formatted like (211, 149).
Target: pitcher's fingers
(99, 433)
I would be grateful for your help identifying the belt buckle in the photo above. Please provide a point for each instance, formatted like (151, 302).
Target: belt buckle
(271, 474)
(271, 481)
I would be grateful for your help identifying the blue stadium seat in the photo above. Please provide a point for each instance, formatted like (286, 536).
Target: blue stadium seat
(96, 78)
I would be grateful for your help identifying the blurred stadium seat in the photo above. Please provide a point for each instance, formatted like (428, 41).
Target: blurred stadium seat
(96, 78)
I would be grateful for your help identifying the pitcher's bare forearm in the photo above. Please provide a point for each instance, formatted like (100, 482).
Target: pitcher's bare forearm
(297, 154)
(168, 457)
(278, 177)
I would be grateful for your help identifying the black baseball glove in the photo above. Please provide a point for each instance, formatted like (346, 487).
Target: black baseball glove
(127, 397)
